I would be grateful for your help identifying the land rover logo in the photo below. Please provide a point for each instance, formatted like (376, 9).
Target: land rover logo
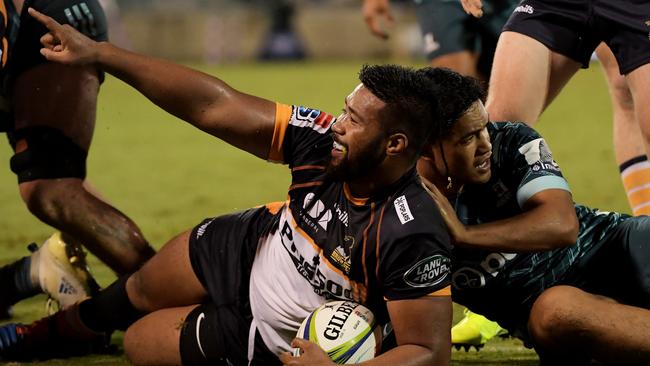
(428, 272)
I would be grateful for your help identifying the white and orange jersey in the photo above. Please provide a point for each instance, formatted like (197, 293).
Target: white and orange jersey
(394, 245)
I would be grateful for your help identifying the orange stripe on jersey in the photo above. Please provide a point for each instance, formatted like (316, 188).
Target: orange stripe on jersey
(308, 167)
(3, 10)
(311, 241)
(303, 185)
(365, 241)
(5, 40)
(442, 292)
(274, 207)
(351, 198)
(381, 218)
(282, 116)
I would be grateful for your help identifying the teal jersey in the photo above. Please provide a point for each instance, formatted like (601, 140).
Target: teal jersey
(503, 286)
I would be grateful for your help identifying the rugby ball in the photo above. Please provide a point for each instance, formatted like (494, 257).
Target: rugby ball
(347, 331)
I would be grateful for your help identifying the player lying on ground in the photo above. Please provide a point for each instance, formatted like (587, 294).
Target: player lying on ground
(358, 225)
(572, 282)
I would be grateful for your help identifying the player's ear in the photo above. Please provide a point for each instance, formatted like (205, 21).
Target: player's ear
(397, 144)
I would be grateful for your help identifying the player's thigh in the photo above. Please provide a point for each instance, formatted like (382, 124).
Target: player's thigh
(562, 70)
(58, 96)
(154, 338)
(638, 81)
(520, 79)
(167, 279)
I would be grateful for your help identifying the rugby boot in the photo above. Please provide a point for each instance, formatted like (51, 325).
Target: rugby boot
(474, 330)
(50, 337)
(63, 273)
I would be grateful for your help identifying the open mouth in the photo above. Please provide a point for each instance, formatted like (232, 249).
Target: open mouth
(338, 147)
(485, 163)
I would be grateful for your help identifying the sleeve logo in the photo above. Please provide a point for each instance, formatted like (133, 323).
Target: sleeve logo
(428, 272)
(403, 210)
(312, 118)
(538, 155)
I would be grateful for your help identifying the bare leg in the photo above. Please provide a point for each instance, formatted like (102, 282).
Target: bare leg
(629, 146)
(526, 77)
(166, 280)
(638, 81)
(65, 203)
(154, 339)
(608, 332)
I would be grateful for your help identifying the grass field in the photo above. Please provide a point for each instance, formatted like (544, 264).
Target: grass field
(167, 176)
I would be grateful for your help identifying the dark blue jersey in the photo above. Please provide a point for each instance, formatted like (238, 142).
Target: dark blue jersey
(503, 285)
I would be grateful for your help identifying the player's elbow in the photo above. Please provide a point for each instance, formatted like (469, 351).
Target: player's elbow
(567, 231)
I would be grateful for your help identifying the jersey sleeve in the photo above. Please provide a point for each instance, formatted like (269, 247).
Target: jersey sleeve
(414, 267)
(301, 136)
(87, 16)
(534, 168)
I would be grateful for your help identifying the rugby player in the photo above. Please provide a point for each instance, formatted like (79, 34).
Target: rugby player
(50, 132)
(543, 45)
(571, 281)
(465, 44)
(451, 37)
(357, 225)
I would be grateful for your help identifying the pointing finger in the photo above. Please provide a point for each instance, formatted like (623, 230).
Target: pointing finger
(48, 22)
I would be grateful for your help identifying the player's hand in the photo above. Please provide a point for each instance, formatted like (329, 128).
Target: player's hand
(377, 15)
(457, 229)
(65, 44)
(312, 355)
(473, 7)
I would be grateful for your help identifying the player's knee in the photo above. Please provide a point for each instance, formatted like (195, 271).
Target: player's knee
(132, 345)
(551, 315)
(139, 293)
(44, 200)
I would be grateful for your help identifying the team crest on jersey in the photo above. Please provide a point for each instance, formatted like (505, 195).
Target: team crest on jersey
(312, 118)
(403, 210)
(538, 155)
(341, 255)
(428, 272)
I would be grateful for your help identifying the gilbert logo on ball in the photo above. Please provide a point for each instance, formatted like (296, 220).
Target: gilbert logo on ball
(347, 331)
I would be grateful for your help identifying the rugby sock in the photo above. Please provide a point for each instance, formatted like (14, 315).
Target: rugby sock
(16, 283)
(635, 174)
(111, 309)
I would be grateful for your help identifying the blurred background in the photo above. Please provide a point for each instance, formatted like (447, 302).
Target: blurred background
(214, 31)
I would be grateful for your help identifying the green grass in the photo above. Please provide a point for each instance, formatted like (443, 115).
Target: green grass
(167, 176)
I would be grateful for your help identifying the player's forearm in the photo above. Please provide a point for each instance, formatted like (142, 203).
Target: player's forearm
(208, 103)
(179, 90)
(412, 355)
(528, 232)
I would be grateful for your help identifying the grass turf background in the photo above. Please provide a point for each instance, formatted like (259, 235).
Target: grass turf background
(168, 176)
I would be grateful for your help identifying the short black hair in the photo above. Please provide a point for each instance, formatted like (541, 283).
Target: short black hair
(455, 94)
(407, 94)
(424, 104)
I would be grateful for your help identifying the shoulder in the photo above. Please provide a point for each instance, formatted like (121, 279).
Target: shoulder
(412, 212)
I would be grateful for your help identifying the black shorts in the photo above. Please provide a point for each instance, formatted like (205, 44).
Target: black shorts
(446, 28)
(574, 28)
(87, 16)
(618, 268)
(222, 250)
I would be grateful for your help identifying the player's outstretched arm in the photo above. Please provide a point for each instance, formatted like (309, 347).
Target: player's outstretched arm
(208, 103)
(377, 14)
